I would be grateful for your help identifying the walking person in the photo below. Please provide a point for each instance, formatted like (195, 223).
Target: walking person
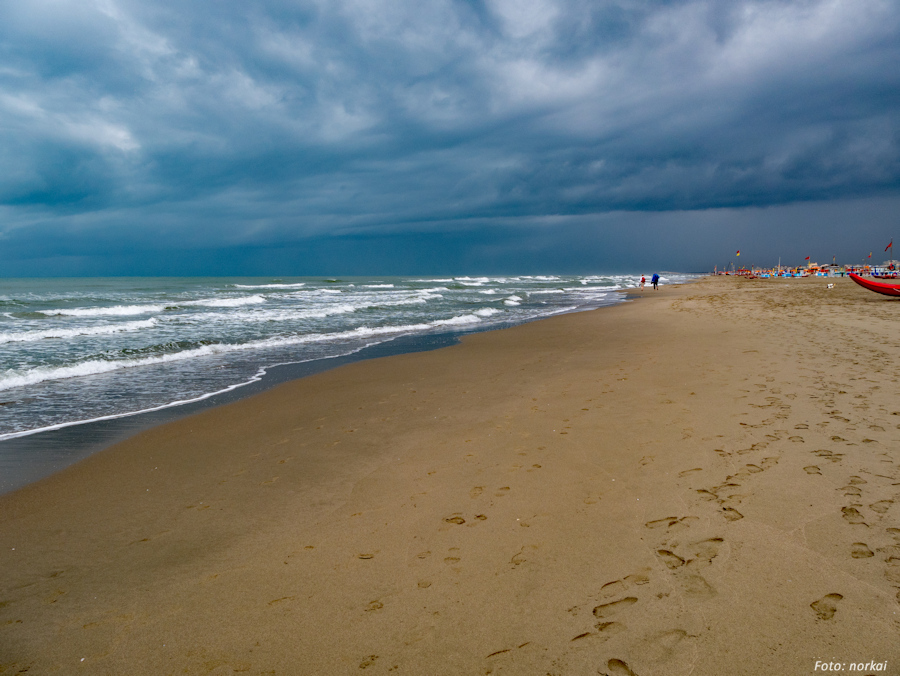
(654, 280)
(643, 280)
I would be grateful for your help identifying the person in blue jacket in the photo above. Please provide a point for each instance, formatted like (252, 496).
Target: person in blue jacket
(654, 280)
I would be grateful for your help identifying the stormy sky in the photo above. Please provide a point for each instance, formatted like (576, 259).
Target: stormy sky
(311, 137)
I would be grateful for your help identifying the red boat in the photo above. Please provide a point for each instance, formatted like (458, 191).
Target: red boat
(877, 287)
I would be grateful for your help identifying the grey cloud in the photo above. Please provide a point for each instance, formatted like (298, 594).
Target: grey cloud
(280, 120)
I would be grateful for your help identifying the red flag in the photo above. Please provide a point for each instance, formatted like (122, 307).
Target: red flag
(807, 258)
(889, 245)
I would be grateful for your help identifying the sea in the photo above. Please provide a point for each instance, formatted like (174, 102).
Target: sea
(76, 351)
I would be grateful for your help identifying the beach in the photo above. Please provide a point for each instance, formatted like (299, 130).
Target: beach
(704, 481)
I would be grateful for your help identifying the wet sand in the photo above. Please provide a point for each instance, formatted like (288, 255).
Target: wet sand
(703, 482)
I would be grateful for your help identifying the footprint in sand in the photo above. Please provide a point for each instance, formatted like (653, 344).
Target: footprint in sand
(672, 523)
(475, 492)
(731, 514)
(696, 587)
(705, 550)
(607, 629)
(661, 523)
(852, 515)
(618, 668)
(368, 661)
(812, 469)
(881, 506)
(458, 520)
(892, 572)
(661, 647)
(502, 491)
(860, 550)
(608, 609)
(618, 587)
(671, 560)
(826, 606)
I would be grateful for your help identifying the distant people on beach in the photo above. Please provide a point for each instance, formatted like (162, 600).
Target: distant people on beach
(654, 280)
(643, 280)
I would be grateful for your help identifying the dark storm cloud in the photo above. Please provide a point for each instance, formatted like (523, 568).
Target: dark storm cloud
(129, 123)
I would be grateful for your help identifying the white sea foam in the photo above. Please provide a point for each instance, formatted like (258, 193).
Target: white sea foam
(270, 286)
(224, 302)
(20, 378)
(460, 320)
(513, 301)
(114, 311)
(26, 336)
(378, 286)
(306, 293)
(286, 315)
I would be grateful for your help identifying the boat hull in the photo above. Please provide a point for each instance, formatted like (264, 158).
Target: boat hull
(878, 287)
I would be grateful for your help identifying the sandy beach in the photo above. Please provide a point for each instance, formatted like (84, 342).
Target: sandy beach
(705, 481)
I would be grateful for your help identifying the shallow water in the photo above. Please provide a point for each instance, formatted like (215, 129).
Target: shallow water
(74, 350)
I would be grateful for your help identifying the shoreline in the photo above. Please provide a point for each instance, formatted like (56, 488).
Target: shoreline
(32, 456)
(705, 482)
(72, 442)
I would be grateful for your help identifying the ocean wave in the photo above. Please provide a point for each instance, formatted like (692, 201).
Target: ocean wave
(15, 378)
(512, 301)
(27, 336)
(460, 320)
(224, 302)
(306, 293)
(259, 316)
(127, 310)
(298, 285)
(114, 311)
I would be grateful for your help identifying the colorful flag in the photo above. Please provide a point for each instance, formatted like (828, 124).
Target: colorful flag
(870, 254)
(889, 245)
(738, 253)
(807, 258)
